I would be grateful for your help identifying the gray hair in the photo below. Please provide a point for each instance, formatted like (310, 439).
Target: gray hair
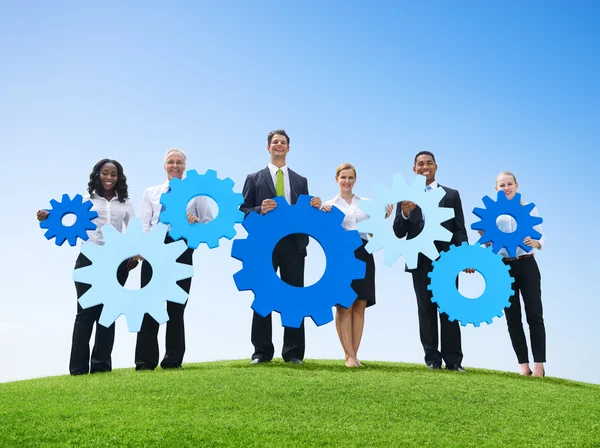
(172, 150)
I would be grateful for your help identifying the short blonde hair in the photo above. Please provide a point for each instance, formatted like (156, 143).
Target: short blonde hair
(506, 173)
(345, 166)
(172, 150)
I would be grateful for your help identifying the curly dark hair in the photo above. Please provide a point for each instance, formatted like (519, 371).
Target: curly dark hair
(95, 185)
(277, 132)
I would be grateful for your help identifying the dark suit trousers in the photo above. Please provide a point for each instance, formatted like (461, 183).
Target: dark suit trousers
(451, 351)
(291, 269)
(528, 282)
(146, 349)
(82, 330)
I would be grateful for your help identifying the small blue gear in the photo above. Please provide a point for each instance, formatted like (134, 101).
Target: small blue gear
(117, 300)
(513, 208)
(424, 241)
(273, 294)
(497, 284)
(182, 191)
(83, 220)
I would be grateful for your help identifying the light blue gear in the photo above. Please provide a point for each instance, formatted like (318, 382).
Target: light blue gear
(117, 300)
(184, 190)
(432, 230)
(273, 294)
(458, 307)
(83, 220)
(513, 208)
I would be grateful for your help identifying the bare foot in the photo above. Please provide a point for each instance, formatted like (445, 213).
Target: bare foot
(352, 362)
(538, 369)
(525, 370)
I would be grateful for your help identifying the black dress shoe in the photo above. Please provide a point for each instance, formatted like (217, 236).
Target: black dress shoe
(457, 368)
(143, 367)
(295, 361)
(258, 361)
(435, 366)
(170, 366)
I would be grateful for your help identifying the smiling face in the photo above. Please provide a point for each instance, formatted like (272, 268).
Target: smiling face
(346, 180)
(426, 166)
(108, 176)
(175, 165)
(506, 182)
(278, 148)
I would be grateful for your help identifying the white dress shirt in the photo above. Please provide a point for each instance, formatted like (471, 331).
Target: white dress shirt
(286, 180)
(151, 207)
(352, 212)
(113, 212)
(508, 224)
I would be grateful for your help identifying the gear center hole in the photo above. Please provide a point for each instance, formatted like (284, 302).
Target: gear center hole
(69, 219)
(139, 276)
(504, 219)
(286, 253)
(471, 286)
(192, 206)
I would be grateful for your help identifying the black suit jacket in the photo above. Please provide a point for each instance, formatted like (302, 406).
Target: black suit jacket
(414, 224)
(259, 186)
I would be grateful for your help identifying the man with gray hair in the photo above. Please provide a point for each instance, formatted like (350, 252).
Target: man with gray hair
(198, 211)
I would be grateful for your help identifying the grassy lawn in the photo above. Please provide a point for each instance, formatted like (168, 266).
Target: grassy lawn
(320, 403)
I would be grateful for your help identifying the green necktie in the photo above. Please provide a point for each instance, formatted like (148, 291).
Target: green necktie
(279, 186)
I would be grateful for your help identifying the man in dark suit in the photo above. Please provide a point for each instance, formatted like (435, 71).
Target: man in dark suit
(289, 254)
(409, 222)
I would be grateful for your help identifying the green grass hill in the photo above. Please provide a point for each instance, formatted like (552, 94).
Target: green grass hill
(319, 403)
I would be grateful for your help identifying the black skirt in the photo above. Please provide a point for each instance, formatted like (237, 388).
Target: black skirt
(365, 288)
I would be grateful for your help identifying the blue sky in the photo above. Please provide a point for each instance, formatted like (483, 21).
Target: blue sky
(486, 87)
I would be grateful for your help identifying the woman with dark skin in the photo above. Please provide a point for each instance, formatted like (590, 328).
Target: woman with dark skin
(108, 193)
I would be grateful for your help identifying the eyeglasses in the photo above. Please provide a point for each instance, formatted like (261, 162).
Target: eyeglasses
(171, 162)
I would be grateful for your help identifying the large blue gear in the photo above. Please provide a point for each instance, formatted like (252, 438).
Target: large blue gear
(182, 191)
(497, 284)
(273, 294)
(424, 241)
(513, 208)
(117, 300)
(83, 220)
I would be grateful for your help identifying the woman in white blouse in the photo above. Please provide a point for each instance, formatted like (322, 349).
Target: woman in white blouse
(524, 269)
(108, 193)
(350, 322)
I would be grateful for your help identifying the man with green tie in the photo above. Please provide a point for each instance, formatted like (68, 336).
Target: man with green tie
(288, 256)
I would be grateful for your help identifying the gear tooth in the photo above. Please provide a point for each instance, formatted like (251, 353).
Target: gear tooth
(239, 249)
(229, 234)
(65, 199)
(336, 215)
(303, 200)
(89, 299)
(322, 317)
(261, 307)
(134, 322)
(109, 316)
(54, 204)
(60, 240)
(291, 320)
(488, 202)
(212, 243)
(160, 315)
(210, 174)
(174, 183)
(238, 199)
(229, 183)
(243, 280)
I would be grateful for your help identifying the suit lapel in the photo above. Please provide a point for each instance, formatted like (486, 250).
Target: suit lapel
(266, 174)
(293, 180)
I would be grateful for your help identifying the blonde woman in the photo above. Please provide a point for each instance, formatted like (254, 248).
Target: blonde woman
(524, 269)
(350, 322)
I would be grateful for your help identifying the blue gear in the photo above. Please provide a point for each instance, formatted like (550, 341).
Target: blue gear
(513, 208)
(273, 294)
(424, 241)
(117, 300)
(182, 191)
(497, 284)
(82, 224)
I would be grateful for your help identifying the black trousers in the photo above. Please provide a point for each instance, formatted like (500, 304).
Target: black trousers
(451, 351)
(291, 269)
(527, 282)
(146, 349)
(82, 330)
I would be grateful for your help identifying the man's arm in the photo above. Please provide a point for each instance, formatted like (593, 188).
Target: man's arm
(403, 225)
(249, 197)
(459, 235)
(147, 211)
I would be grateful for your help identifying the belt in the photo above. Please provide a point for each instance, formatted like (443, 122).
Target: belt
(508, 260)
